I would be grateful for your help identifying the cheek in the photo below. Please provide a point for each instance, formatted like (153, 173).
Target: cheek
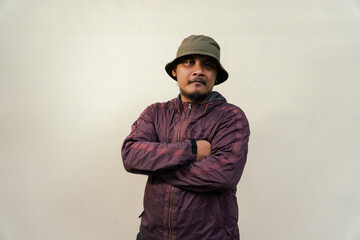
(182, 77)
(212, 76)
(181, 81)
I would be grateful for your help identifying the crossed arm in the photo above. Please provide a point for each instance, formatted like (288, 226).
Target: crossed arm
(217, 165)
(203, 149)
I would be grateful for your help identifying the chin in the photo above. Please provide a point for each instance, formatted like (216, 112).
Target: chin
(197, 90)
(196, 96)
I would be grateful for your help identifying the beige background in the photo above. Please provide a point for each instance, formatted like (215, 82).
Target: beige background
(74, 76)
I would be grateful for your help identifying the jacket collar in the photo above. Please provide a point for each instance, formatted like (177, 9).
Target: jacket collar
(214, 100)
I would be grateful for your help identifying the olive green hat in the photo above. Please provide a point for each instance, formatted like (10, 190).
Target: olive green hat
(199, 44)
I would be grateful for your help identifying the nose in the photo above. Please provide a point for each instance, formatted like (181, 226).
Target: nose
(198, 69)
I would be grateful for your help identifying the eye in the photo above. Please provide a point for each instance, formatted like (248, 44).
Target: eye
(211, 65)
(188, 61)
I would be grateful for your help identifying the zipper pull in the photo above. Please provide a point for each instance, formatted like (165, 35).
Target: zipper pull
(189, 109)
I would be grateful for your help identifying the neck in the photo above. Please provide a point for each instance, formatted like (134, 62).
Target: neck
(194, 98)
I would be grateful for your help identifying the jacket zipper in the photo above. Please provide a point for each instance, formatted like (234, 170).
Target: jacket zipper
(172, 187)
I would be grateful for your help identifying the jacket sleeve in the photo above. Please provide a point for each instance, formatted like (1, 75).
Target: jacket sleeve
(222, 169)
(142, 152)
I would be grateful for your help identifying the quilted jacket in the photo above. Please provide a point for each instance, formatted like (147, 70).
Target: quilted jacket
(186, 199)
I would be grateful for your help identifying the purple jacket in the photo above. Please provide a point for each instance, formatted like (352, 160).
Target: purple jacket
(187, 199)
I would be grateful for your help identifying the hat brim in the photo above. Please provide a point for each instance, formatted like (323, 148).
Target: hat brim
(222, 74)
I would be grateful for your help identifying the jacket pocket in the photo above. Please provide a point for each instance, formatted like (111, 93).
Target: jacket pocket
(219, 215)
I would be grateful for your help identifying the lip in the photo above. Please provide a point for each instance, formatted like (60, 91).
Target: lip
(198, 81)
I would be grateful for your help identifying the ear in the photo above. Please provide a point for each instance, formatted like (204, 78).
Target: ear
(173, 72)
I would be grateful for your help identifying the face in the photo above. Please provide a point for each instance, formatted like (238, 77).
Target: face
(196, 75)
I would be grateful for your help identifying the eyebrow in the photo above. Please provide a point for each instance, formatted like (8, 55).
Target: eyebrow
(206, 59)
(186, 57)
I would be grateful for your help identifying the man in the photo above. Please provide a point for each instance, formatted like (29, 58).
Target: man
(193, 149)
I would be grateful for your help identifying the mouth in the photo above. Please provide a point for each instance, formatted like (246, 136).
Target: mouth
(198, 80)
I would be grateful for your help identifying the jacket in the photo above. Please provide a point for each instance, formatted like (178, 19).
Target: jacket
(186, 199)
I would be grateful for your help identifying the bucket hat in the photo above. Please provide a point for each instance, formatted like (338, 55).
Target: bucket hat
(199, 44)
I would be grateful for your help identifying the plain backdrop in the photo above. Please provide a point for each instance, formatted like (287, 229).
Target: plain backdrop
(74, 76)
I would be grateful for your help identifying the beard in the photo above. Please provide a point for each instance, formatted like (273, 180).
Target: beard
(196, 97)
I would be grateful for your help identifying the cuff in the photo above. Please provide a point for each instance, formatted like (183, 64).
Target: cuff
(193, 146)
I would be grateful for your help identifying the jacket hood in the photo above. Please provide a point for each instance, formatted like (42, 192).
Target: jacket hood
(216, 96)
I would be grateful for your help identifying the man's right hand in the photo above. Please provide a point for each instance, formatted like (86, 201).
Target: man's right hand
(203, 149)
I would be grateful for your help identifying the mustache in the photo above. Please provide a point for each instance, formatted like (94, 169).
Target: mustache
(197, 79)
